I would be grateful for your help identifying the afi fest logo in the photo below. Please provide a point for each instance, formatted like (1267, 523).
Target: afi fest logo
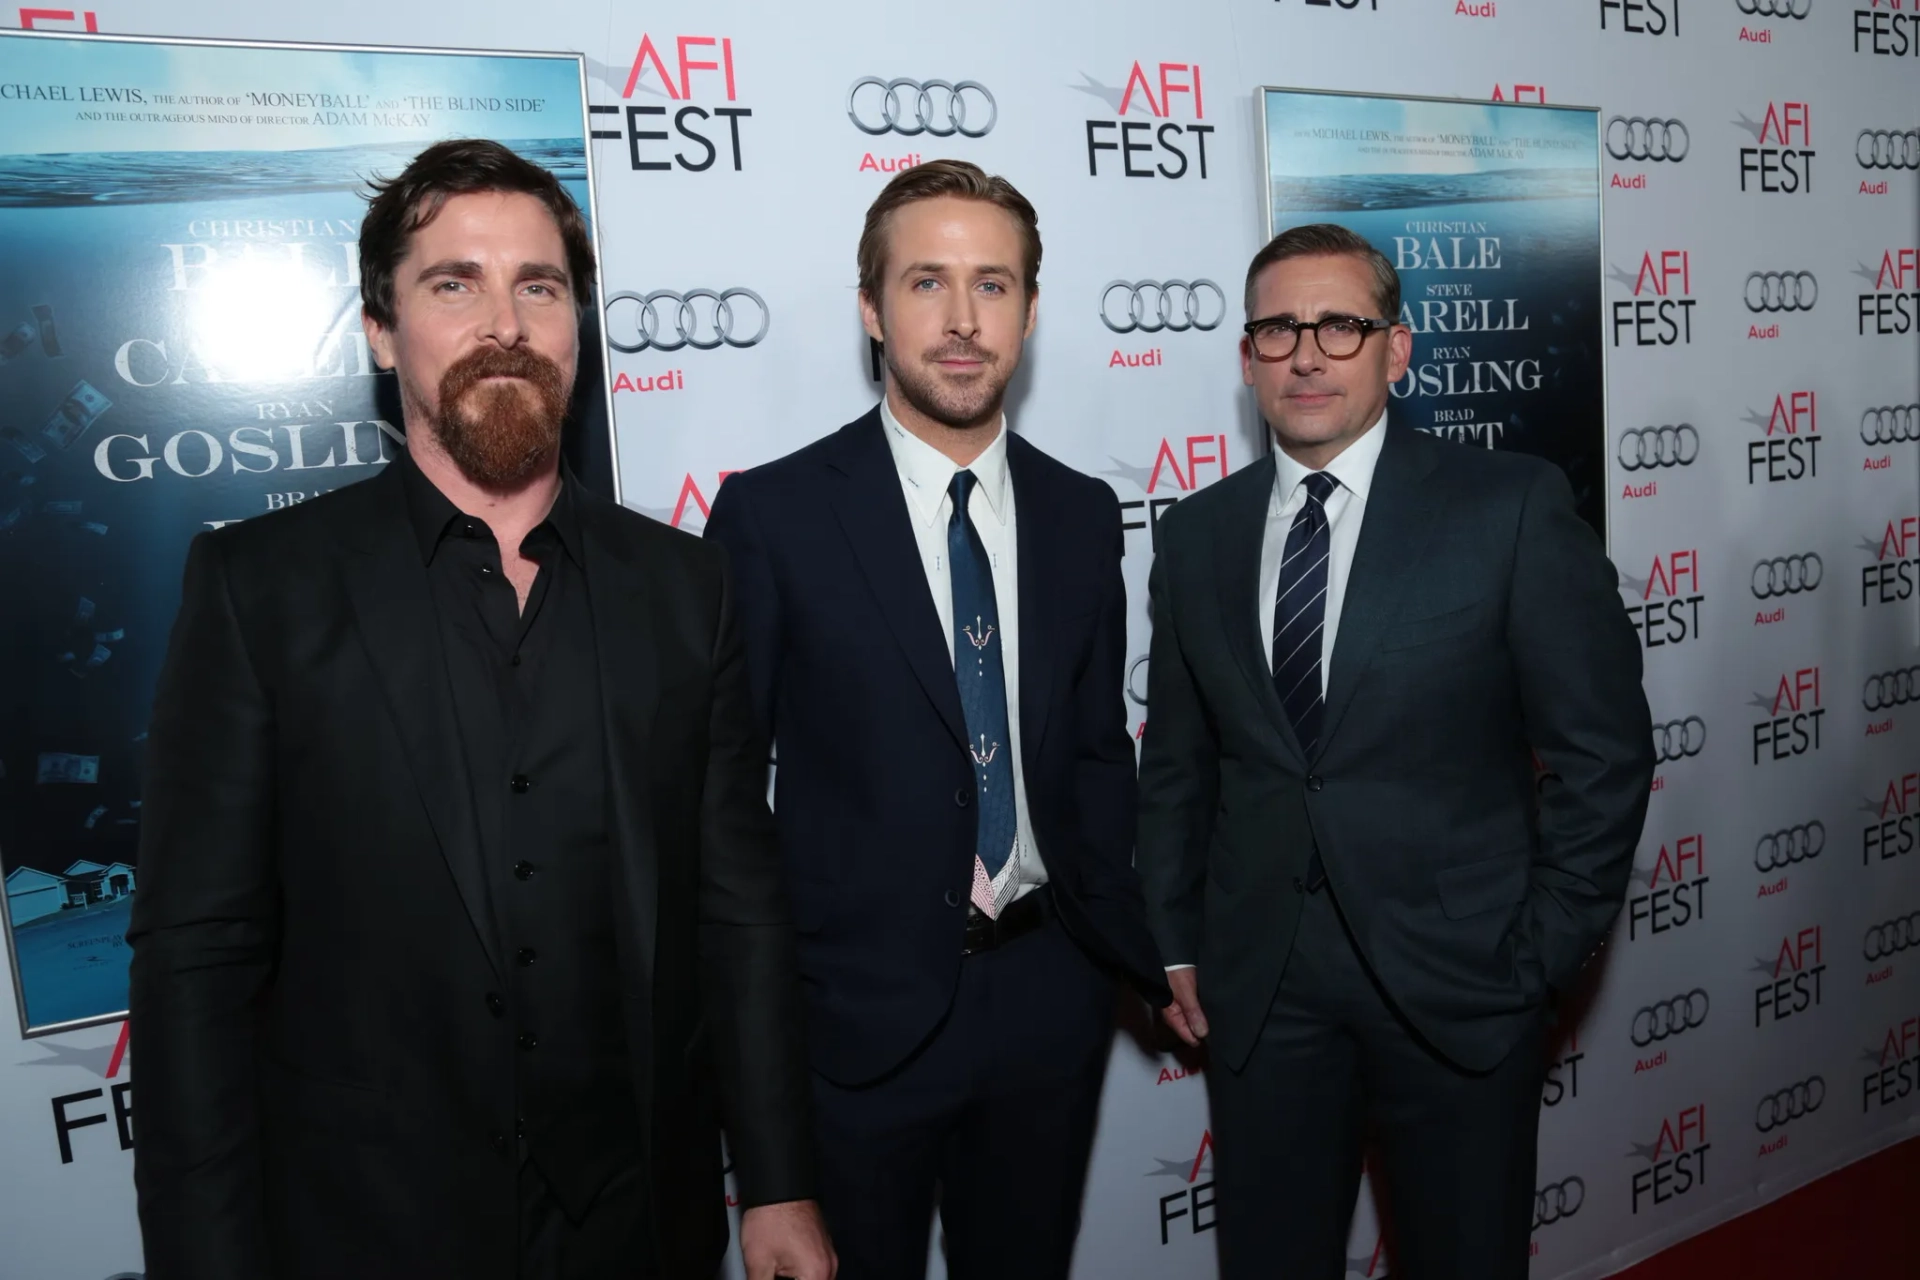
(1158, 132)
(1884, 28)
(59, 20)
(1641, 17)
(1789, 447)
(1774, 165)
(1667, 611)
(1893, 306)
(1562, 1083)
(1790, 716)
(1660, 312)
(1889, 832)
(698, 70)
(88, 1107)
(1675, 1161)
(1888, 576)
(1194, 1201)
(1164, 482)
(1791, 979)
(1894, 1067)
(1676, 893)
(690, 503)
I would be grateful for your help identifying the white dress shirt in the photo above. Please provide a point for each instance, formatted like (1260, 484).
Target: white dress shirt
(925, 476)
(1346, 507)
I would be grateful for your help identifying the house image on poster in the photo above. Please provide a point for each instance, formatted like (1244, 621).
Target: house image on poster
(33, 894)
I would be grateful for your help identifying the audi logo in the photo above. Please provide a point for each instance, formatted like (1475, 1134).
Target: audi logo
(1781, 291)
(1678, 738)
(1780, 849)
(1558, 1200)
(1790, 1103)
(1888, 148)
(1647, 138)
(1644, 448)
(1775, 8)
(1670, 1017)
(1890, 937)
(698, 318)
(1890, 424)
(1153, 305)
(1890, 689)
(940, 108)
(1786, 575)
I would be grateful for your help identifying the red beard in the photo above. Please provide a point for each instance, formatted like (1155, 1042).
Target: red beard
(495, 433)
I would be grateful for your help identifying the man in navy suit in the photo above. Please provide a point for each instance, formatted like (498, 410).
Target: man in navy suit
(936, 632)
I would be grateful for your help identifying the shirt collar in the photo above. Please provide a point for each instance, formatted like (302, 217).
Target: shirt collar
(432, 513)
(1353, 468)
(928, 472)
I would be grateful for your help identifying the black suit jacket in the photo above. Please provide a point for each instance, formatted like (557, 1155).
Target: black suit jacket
(874, 787)
(1481, 618)
(325, 1089)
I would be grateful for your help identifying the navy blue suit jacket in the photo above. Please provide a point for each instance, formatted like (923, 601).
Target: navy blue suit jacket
(873, 791)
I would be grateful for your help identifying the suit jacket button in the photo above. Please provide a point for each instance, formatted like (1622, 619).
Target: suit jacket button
(495, 1005)
(963, 797)
(527, 1040)
(499, 1141)
(1299, 885)
(1313, 782)
(953, 898)
(520, 784)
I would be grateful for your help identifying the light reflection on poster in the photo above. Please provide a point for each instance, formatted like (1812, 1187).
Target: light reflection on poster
(180, 347)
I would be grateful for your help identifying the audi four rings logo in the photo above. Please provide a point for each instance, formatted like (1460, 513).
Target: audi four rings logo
(699, 318)
(1775, 8)
(1671, 1017)
(1782, 291)
(1780, 849)
(1890, 689)
(1137, 679)
(1890, 424)
(1888, 148)
(1558, 1200)
(1677, 738)
(940, 108)
(1786, 575)
(1643, 448)
(1647, 138)
(1173, 305)
(1790, 1103)
(1891, 937)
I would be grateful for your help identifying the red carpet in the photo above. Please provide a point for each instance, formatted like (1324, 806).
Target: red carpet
(1860, 1221)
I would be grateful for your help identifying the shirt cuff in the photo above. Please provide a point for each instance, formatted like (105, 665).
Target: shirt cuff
(1172, 967)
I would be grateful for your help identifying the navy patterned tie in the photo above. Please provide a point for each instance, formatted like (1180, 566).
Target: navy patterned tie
(1299, 613)
(978, 670)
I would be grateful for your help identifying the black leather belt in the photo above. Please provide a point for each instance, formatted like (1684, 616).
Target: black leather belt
(1021, 916)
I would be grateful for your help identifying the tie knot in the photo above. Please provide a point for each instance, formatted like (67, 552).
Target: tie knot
(960, 490)
(1320, 486)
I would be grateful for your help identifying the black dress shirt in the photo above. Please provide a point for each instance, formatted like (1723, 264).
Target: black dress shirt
(526, 693)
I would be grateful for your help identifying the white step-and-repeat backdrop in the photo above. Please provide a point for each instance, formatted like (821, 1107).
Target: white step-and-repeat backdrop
(1756, 1019)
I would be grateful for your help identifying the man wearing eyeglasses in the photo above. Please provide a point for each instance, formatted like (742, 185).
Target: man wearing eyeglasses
(1367, 904)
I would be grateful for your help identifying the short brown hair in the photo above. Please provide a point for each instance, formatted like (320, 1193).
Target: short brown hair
(398, 207)
(930, 181)
(1329, 239)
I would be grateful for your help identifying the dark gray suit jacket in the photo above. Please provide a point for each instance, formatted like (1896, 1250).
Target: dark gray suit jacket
(1482, 624)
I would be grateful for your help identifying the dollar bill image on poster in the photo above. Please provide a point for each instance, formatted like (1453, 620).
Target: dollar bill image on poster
(1491, 214)
(181, 348)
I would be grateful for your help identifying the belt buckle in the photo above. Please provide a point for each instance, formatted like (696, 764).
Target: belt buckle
(982, 933)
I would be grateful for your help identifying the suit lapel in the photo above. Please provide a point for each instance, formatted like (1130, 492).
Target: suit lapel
(393, 605)
(1036, 542)
(1238, 532)
(628, 656)
(872, 512)
(1399, 510)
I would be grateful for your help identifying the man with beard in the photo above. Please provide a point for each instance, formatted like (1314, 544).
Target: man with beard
(936, 630)
(461, 921)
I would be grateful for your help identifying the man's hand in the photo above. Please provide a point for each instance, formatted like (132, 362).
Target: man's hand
(1185, 1015)
(786, 1239)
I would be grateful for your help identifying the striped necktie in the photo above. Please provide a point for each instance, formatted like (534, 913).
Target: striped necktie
(1299, 613)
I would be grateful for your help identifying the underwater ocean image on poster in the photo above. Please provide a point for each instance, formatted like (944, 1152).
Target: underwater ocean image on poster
(180, 348)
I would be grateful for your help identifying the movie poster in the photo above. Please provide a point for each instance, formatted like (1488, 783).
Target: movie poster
(1491, 213)
(180, 348)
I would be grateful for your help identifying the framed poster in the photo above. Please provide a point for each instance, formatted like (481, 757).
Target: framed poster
(180, 348)
(1491, 213)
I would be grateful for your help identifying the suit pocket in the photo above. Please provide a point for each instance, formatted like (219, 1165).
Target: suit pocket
(1410, 633)
(1492, 884)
